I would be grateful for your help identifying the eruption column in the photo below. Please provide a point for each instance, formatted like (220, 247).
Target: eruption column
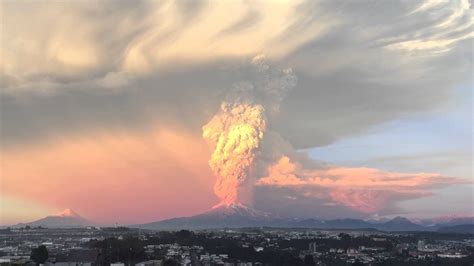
(235, 132)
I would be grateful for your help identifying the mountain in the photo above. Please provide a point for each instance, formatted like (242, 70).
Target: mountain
(447, 220)
(377, 221)
(460, 229)
(232, 216)
(65, 219)
(349, 223)
(456, 221)
(239, 215)
(400, 224)
(333, 224)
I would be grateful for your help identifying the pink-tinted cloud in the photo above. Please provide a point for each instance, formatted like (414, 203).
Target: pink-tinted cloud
(114, 177)
(369, 200)
(363, 189)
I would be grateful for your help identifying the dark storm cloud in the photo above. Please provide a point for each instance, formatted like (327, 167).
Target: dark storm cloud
(349, 79)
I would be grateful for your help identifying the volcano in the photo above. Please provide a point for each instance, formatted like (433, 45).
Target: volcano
(224, 216)
(240, 216)
(64, 219)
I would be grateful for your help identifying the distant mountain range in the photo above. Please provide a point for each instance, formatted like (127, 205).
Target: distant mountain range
(238, 216)
(462, 228)
(65, 219)
(396, 224)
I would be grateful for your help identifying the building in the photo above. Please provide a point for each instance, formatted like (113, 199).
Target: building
(150, 263)
(312, 247)
(421, 245)
(352, 252)
(70, 263)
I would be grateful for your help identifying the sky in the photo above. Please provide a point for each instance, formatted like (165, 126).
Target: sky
(133, 112)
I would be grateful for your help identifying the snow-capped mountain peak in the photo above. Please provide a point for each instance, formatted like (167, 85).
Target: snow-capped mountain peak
(63, 219)
(67, 213)
(238, 209)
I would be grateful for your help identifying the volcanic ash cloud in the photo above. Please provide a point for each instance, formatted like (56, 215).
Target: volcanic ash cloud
(238, 128)
(236, 132)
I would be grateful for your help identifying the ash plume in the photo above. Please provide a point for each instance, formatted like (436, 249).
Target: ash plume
(237, 130)
(248, 153)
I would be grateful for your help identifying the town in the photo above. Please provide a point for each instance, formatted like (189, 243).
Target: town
(117, 246)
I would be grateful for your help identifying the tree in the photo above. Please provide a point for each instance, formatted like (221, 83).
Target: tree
(39, 254)
(308, 260)
(170, 262)
(345, 237)
(183, 234)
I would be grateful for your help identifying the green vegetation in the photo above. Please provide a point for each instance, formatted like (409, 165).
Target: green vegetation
(39, 254)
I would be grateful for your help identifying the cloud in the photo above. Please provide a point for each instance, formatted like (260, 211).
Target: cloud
(158, 52)
(112, 177)
(85, 40)
(362, 189)
(73, 69)
(251, 18)
(236, 131)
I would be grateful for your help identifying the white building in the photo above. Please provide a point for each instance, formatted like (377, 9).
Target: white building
(421, 245)
(150, 263)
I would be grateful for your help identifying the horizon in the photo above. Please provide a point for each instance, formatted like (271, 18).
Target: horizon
(133, 113)
(436, 220)
(424, 221)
